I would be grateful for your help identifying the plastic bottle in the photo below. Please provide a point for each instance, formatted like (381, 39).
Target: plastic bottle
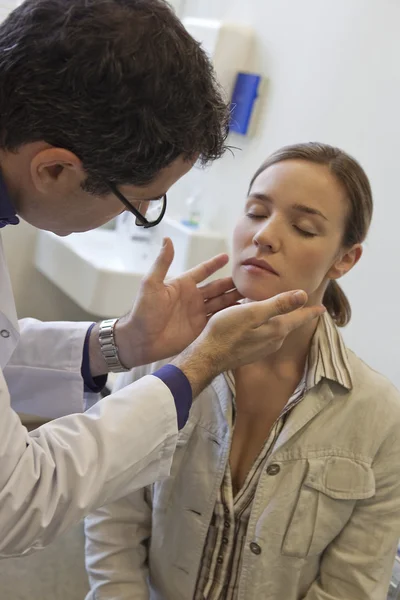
(193, 211)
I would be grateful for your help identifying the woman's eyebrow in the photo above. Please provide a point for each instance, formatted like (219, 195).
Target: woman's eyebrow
(297, 207)
(259, 196)
(309, 210)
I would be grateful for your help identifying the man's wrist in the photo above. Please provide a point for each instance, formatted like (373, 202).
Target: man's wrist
(198, 365)
(128, 353)
(109, 348)
(98, 363)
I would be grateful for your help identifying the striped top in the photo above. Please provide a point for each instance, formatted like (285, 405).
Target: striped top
(222, 555)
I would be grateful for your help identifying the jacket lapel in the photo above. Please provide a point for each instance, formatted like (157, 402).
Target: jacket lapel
(313, 403)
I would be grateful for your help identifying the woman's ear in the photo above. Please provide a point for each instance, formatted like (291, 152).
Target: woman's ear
(345, 262)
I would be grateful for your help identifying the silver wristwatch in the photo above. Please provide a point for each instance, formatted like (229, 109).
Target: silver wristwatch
(108, 346)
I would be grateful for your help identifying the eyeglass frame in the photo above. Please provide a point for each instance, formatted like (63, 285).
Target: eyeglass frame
(143, 222)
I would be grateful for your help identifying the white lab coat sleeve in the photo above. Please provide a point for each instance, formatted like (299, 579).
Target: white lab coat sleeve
(44, 373)
(52, 477)
(118, 537)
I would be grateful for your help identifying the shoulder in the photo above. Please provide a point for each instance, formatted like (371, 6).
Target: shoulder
(374, 389)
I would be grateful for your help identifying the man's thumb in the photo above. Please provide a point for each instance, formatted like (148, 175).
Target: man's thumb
(159, 269)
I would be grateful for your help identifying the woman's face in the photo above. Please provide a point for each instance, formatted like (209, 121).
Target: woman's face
(290, 234)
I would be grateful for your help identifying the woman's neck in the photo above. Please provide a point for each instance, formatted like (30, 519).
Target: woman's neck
(286, 366)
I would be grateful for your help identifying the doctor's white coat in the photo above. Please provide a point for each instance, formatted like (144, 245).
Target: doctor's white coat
(50, 478)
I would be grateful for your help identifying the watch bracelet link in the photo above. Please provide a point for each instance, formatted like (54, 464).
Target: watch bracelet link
(108, 346)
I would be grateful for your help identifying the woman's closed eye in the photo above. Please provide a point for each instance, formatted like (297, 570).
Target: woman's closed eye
(304, 232)
(256, 213)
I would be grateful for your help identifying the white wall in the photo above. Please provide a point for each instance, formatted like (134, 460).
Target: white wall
(334, 76)
(5, 7)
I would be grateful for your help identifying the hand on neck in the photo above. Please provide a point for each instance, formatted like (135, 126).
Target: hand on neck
(289, 361)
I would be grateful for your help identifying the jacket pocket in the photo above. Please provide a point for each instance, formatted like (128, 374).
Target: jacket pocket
(325, 502)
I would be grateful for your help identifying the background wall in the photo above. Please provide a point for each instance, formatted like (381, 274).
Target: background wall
(333, 76)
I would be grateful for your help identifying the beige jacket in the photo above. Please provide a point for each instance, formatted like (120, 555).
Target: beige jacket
(326, 517)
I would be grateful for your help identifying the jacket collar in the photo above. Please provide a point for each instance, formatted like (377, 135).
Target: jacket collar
(328, 358)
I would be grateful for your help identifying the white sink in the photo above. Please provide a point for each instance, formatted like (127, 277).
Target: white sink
(89, 270)
(101, 270)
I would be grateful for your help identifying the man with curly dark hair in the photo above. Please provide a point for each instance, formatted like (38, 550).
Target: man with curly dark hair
(104, 104)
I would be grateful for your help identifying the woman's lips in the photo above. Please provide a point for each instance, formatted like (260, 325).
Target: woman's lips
(257, 265)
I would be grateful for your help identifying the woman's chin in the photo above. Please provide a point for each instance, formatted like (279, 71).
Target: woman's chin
(255, 295)
(255, 290)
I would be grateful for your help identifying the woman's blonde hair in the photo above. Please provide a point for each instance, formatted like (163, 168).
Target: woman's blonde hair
(353, 179)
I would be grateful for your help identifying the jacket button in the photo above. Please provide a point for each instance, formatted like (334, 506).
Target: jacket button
(255, 548)
(273, 469)
(5, 333)
(220, 560)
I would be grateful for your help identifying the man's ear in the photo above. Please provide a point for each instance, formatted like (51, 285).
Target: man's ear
(345, 262)
(56, 168)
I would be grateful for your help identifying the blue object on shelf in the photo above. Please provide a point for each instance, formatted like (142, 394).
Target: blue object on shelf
(242, 103)
(190, 224)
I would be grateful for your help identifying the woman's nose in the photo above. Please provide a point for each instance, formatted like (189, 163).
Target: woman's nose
(267, 236)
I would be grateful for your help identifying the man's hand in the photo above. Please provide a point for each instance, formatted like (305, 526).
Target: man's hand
(242, 334)
(167, 315)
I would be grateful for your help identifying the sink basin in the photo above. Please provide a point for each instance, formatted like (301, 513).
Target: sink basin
(88, 268)
(101, 270)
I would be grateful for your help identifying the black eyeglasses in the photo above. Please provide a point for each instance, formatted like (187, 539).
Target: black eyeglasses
(154, 213)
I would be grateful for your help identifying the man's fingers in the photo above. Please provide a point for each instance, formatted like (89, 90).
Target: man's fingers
(299, 317)
(222, 301)
(288, 301)
(264, 310)
(207, 268)
(210, 315)
(216, 288)
(159, 269)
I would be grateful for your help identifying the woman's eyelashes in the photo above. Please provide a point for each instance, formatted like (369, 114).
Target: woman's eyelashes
(252, 215)
(299, 230)
(304, 232)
